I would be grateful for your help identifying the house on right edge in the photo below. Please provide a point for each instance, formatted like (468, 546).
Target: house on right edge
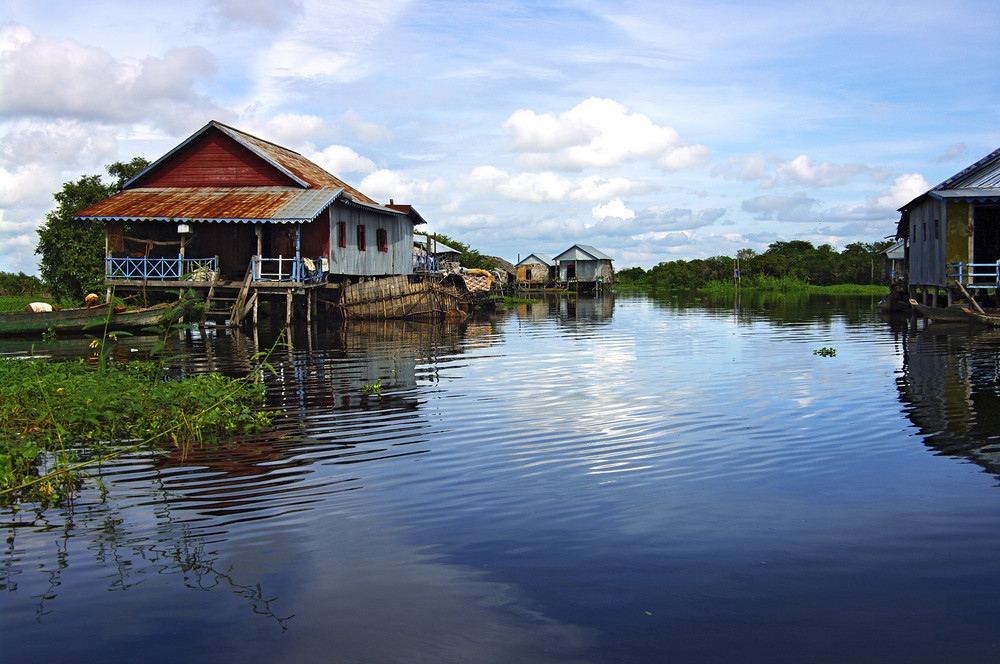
(952, 234)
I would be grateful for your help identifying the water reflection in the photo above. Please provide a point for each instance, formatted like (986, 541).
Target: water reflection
(578, 479)
(949, 385)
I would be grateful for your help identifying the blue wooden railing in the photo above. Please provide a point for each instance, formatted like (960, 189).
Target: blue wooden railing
(975, 275)
(424, 263)
(300, 270)
(164, 269)
(291, 269)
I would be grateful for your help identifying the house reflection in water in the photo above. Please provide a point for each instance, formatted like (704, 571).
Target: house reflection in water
(569, 309)
(949, 388)
(344, 395)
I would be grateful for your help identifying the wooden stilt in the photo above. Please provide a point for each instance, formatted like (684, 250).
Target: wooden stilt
(288, 308)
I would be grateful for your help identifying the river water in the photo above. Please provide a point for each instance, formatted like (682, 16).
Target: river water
(619, 479)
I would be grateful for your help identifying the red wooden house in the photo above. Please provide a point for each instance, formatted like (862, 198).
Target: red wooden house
(225, 203)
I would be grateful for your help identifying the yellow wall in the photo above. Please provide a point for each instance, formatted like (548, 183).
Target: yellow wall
(958, 232)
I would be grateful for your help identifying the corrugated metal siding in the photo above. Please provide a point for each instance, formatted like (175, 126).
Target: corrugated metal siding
(351, 261)
(927, 254)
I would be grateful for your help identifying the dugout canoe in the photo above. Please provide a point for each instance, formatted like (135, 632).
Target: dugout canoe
(955, 314)
(988, 319)
(76, 320)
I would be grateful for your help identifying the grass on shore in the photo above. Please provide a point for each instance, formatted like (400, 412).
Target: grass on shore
(767, 284)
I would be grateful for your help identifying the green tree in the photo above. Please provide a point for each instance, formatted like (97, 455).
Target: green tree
(72, 250)
(632, 275)
(470, 258)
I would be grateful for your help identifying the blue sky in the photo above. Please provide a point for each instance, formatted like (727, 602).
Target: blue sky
(652, 130)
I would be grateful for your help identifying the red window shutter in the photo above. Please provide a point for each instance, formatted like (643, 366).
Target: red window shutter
(383, 239)
(342, 233)
(362, 246)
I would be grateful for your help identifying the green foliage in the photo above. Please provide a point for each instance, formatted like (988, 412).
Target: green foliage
(825, 352)
(372, 389)
(470, 258)
(784, 266)
(19, 285)
(56, 417)
(632, 275)
(71, 249)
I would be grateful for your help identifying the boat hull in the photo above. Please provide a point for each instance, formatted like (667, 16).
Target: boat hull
(940, 314)
(990, 320)
(77, 320)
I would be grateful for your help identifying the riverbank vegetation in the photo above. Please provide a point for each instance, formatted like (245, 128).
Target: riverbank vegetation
(785, 266)
(468, 257)
(57, 419)
(71, 250)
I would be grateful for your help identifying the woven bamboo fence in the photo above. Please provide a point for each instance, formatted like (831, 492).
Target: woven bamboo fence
(397, 297)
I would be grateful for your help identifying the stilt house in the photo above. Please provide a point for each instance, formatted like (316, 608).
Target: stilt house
(953, 233)
(585, 264)
(536, 269)
(230, 205)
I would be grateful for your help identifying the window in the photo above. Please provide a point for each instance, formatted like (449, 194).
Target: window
(362, 245)
(937, 229)
(342, 233)
(925, 231)
(383, 239)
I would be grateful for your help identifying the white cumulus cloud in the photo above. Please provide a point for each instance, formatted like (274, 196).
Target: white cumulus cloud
(615, 209)
(384, 184)
(597, 133)
(904, 189)
(546, 186)
(337, 159)
(63, 78)
(773, 172)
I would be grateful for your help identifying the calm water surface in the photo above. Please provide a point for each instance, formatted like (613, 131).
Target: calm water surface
(623, 479)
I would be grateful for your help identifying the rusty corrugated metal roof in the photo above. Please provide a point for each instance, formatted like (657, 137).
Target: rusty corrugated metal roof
(291, 162)
(270, 204)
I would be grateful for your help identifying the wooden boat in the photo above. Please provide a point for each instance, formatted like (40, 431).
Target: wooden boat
(93, 319)
(953, 314)
(988, 319)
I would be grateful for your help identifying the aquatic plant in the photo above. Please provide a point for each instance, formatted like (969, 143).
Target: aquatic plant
(58, 418)
(825, 352)
(372, 389)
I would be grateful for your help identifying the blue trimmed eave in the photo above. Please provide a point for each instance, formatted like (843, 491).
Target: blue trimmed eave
(968, 195)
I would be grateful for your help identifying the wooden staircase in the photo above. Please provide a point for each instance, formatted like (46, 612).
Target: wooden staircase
(228, 311)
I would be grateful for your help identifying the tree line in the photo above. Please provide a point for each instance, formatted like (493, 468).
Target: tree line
(792, 261)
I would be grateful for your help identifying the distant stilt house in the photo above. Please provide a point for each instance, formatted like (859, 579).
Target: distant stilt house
(894, 263)
(952, 233)
(225, 209)
(584, 265)
(536, 270)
